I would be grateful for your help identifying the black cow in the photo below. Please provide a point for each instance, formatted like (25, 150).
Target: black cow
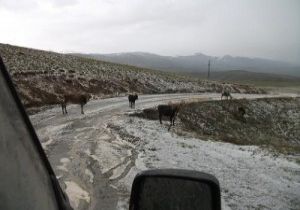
(241, 111)
(131, 99)
(169, 111)
(226, 94)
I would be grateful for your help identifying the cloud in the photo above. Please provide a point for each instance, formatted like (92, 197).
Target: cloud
(63, 3)
(16, 5)
(268, 28)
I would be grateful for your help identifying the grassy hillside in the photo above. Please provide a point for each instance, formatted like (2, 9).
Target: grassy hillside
(261, 79)
(269, 81)
(41, 77)
(268, 122)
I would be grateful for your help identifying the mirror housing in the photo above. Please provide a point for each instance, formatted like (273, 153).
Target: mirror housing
(175, 189)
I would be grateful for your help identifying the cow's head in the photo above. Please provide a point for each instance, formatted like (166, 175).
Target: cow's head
(88, 96)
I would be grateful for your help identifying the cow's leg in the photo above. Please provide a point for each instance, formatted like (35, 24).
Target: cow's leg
(81, 108)
(62, 108)
(171, 119)
(170, 127)
(160, 116)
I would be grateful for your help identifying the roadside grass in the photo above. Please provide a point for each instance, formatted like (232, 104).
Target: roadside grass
(282, 89)
(268, 81)
(271, 123)
(283, 86)
(286, 86)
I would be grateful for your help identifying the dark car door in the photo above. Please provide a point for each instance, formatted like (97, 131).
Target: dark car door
(27, 180)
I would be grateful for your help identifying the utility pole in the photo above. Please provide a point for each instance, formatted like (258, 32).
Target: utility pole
(208, 70)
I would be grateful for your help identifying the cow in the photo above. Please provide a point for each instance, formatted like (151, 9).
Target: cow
(132, 99)
(81, 99)
(226, 94)
(241, 111)
(170, 110)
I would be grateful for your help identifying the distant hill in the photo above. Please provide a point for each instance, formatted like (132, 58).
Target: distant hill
(198, 63)
(253, 78)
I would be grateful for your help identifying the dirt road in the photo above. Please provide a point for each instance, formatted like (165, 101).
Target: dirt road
(96, 155)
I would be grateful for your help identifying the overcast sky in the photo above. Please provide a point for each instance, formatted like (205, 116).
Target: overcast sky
(253, 28)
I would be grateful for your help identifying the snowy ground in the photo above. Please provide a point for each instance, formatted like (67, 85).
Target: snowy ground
(96, 156)
(250, 178)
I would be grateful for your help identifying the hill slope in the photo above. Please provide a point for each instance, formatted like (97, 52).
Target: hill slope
(42, 77)
(254, 78)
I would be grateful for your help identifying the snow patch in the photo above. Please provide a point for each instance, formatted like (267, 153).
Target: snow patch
(122, 204)
(47, 143)
(64, 162)
(90, 175)
(106, 149)
(76, 194)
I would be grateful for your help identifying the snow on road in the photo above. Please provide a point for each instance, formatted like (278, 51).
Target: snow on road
(97, 155)
(76, 194)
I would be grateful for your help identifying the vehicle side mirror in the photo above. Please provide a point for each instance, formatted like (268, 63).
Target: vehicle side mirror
(169, 189)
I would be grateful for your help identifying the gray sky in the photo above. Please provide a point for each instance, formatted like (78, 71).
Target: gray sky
(253, 28)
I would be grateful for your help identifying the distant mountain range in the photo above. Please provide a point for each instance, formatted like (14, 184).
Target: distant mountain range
(198, 63)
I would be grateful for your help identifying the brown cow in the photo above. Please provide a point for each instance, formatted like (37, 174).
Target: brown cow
(170, 110)
(81, 99)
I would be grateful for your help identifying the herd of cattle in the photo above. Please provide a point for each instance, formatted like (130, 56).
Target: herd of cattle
(170, 110)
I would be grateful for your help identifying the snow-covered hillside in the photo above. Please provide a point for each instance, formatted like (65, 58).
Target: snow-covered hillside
(41, 77)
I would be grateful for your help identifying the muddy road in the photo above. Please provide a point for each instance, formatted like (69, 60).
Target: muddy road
(96, 155)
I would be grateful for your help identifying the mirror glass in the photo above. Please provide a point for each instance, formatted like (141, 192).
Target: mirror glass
(165, 193)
